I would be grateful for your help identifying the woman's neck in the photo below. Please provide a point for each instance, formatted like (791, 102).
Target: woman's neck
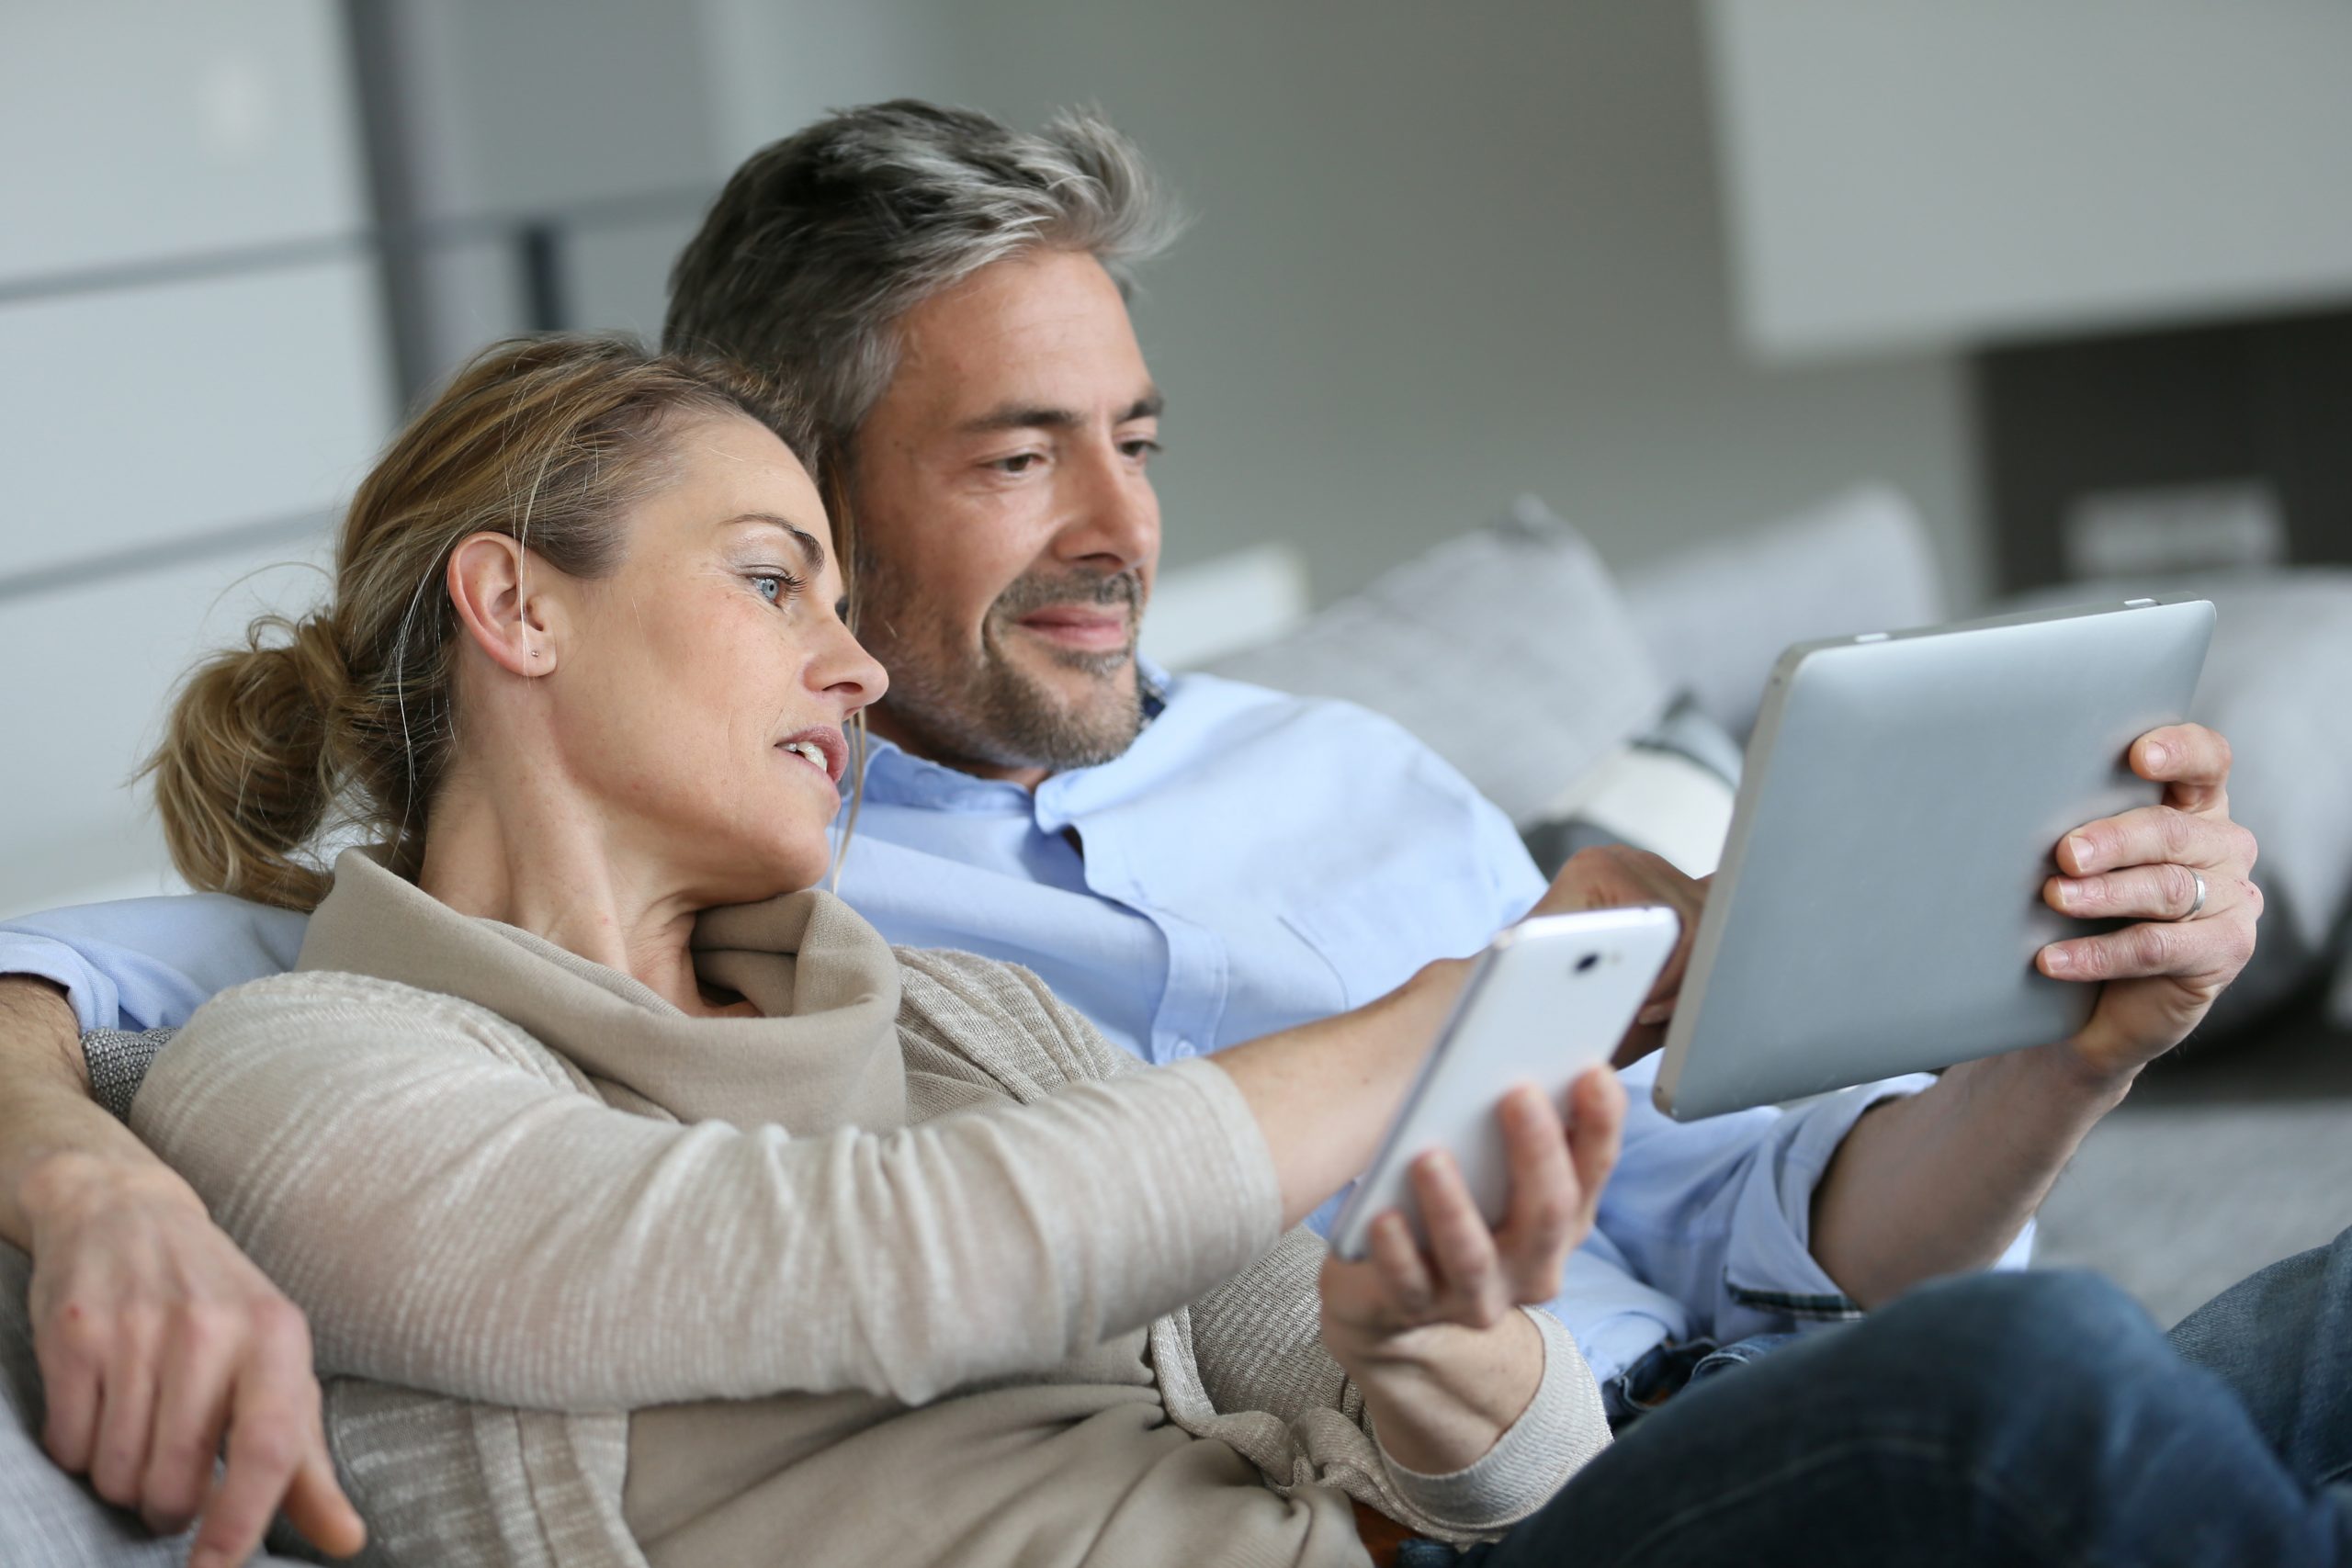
(535, 861)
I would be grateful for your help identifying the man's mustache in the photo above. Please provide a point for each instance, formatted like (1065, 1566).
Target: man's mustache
(1029, 595)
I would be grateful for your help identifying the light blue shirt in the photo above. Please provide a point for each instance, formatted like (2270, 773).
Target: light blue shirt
(1253, 861)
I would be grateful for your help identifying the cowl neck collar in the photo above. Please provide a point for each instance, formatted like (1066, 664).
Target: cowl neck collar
(824, 1053)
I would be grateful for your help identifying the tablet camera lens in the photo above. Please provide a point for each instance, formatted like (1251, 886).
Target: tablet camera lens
(1587, 961)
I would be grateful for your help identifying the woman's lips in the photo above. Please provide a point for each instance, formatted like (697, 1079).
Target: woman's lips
(829, 745)
(1096, 631)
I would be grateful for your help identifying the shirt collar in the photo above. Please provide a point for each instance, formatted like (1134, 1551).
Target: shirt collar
(896, 777)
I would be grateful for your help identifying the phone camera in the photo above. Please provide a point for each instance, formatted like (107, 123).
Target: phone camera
(1587, 961)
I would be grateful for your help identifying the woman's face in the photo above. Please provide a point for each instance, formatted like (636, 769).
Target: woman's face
(701, 694)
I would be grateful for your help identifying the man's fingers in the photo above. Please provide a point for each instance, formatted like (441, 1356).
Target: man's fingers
(68, 1355)
(2191, 760)
(1596, 1131)
(266, 1447)
(2166, 892)
(126, 1417)
(2155, 835)
(320, 1510)
(2180, 949)
(190, 1414)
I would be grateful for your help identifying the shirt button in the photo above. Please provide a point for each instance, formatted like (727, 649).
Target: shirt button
(1183, 1049)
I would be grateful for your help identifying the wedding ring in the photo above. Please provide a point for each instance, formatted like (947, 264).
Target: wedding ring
(2197, 907)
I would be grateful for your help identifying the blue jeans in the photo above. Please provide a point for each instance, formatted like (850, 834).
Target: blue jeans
(2009, 1418)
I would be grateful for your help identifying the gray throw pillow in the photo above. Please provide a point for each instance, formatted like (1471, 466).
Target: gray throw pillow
(1506, 651)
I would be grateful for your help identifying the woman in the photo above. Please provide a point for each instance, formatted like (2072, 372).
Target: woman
(720, 1231)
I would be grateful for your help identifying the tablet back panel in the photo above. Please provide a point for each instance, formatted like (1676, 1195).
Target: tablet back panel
(1879, 905)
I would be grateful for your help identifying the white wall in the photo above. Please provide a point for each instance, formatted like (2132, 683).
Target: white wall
(1907, 175)
(168, 423)
(1445, 255)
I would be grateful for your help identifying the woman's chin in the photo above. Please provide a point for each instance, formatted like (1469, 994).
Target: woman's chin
(761, 872)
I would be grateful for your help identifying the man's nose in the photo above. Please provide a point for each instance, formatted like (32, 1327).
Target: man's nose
(1114, 521)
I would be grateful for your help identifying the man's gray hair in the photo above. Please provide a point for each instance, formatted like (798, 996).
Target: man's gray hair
(822, 241)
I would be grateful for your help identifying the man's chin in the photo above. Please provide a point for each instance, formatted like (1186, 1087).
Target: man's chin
(1076, 710)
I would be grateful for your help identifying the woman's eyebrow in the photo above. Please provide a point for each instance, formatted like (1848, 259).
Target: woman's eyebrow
(807, 541)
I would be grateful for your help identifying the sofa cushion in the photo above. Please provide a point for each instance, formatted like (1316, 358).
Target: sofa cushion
(1506, 651)
(1716, 617)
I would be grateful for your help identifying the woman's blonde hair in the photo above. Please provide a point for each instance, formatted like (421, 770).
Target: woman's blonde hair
(344, 717)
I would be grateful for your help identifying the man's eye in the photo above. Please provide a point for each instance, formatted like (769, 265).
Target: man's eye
(1019, 463)
(1141, 448)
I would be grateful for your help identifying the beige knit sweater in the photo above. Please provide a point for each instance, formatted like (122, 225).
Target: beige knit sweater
(910, 1270)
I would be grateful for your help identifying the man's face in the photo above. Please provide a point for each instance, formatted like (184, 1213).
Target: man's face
(1008, 532)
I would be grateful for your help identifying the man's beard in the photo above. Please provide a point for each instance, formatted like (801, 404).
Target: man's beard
(987, 709)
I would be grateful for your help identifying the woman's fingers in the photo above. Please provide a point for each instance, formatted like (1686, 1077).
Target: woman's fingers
(1470, 1288)
(1396, 1261)
(1540, 1225)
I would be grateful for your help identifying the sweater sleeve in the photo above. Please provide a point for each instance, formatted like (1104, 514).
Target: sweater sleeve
(1291, 1409)
(458, 1213)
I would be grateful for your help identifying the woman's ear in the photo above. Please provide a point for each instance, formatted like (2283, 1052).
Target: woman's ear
(500, 591)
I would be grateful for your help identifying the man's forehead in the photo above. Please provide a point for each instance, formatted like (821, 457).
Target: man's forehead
(1040, 333)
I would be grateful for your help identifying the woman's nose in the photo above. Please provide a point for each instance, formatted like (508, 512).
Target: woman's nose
(848, 672)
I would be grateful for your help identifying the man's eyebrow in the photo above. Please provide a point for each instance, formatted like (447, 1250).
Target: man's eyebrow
(804, 540)
(1042, 416)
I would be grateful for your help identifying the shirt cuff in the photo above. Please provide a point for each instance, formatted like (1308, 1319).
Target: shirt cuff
(1772, 1283)
(1562, 1429)
(96, 1003)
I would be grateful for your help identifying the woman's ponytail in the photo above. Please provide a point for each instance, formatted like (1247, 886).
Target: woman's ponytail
(247, 768)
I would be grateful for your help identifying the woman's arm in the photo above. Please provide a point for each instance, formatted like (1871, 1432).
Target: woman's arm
(459, 1214)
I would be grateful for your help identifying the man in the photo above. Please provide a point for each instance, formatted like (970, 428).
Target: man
(1190, 861)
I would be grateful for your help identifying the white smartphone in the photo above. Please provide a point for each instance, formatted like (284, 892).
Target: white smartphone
(1550, 998)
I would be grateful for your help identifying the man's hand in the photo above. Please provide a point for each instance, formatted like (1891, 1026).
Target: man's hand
(1444, 1362)
(1616, 877)
(154, 1334)
(2163, 974)
(155, 1338)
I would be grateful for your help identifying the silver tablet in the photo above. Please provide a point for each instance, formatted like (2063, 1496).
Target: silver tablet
(1879, 904)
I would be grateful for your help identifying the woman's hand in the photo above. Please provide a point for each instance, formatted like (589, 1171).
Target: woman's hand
(1615, 876)
(1432, 1337)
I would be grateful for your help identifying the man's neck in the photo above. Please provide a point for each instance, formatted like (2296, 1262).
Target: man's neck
(885, 726)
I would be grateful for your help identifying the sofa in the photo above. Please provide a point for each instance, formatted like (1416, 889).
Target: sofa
(1592, 707)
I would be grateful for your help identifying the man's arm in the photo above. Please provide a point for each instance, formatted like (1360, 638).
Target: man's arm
(154, 1334)
(1943, 1181)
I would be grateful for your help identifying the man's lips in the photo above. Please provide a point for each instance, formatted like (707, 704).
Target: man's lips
(1097, 630)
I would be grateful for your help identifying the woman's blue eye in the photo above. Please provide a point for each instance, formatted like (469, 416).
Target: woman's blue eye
(774, 586)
